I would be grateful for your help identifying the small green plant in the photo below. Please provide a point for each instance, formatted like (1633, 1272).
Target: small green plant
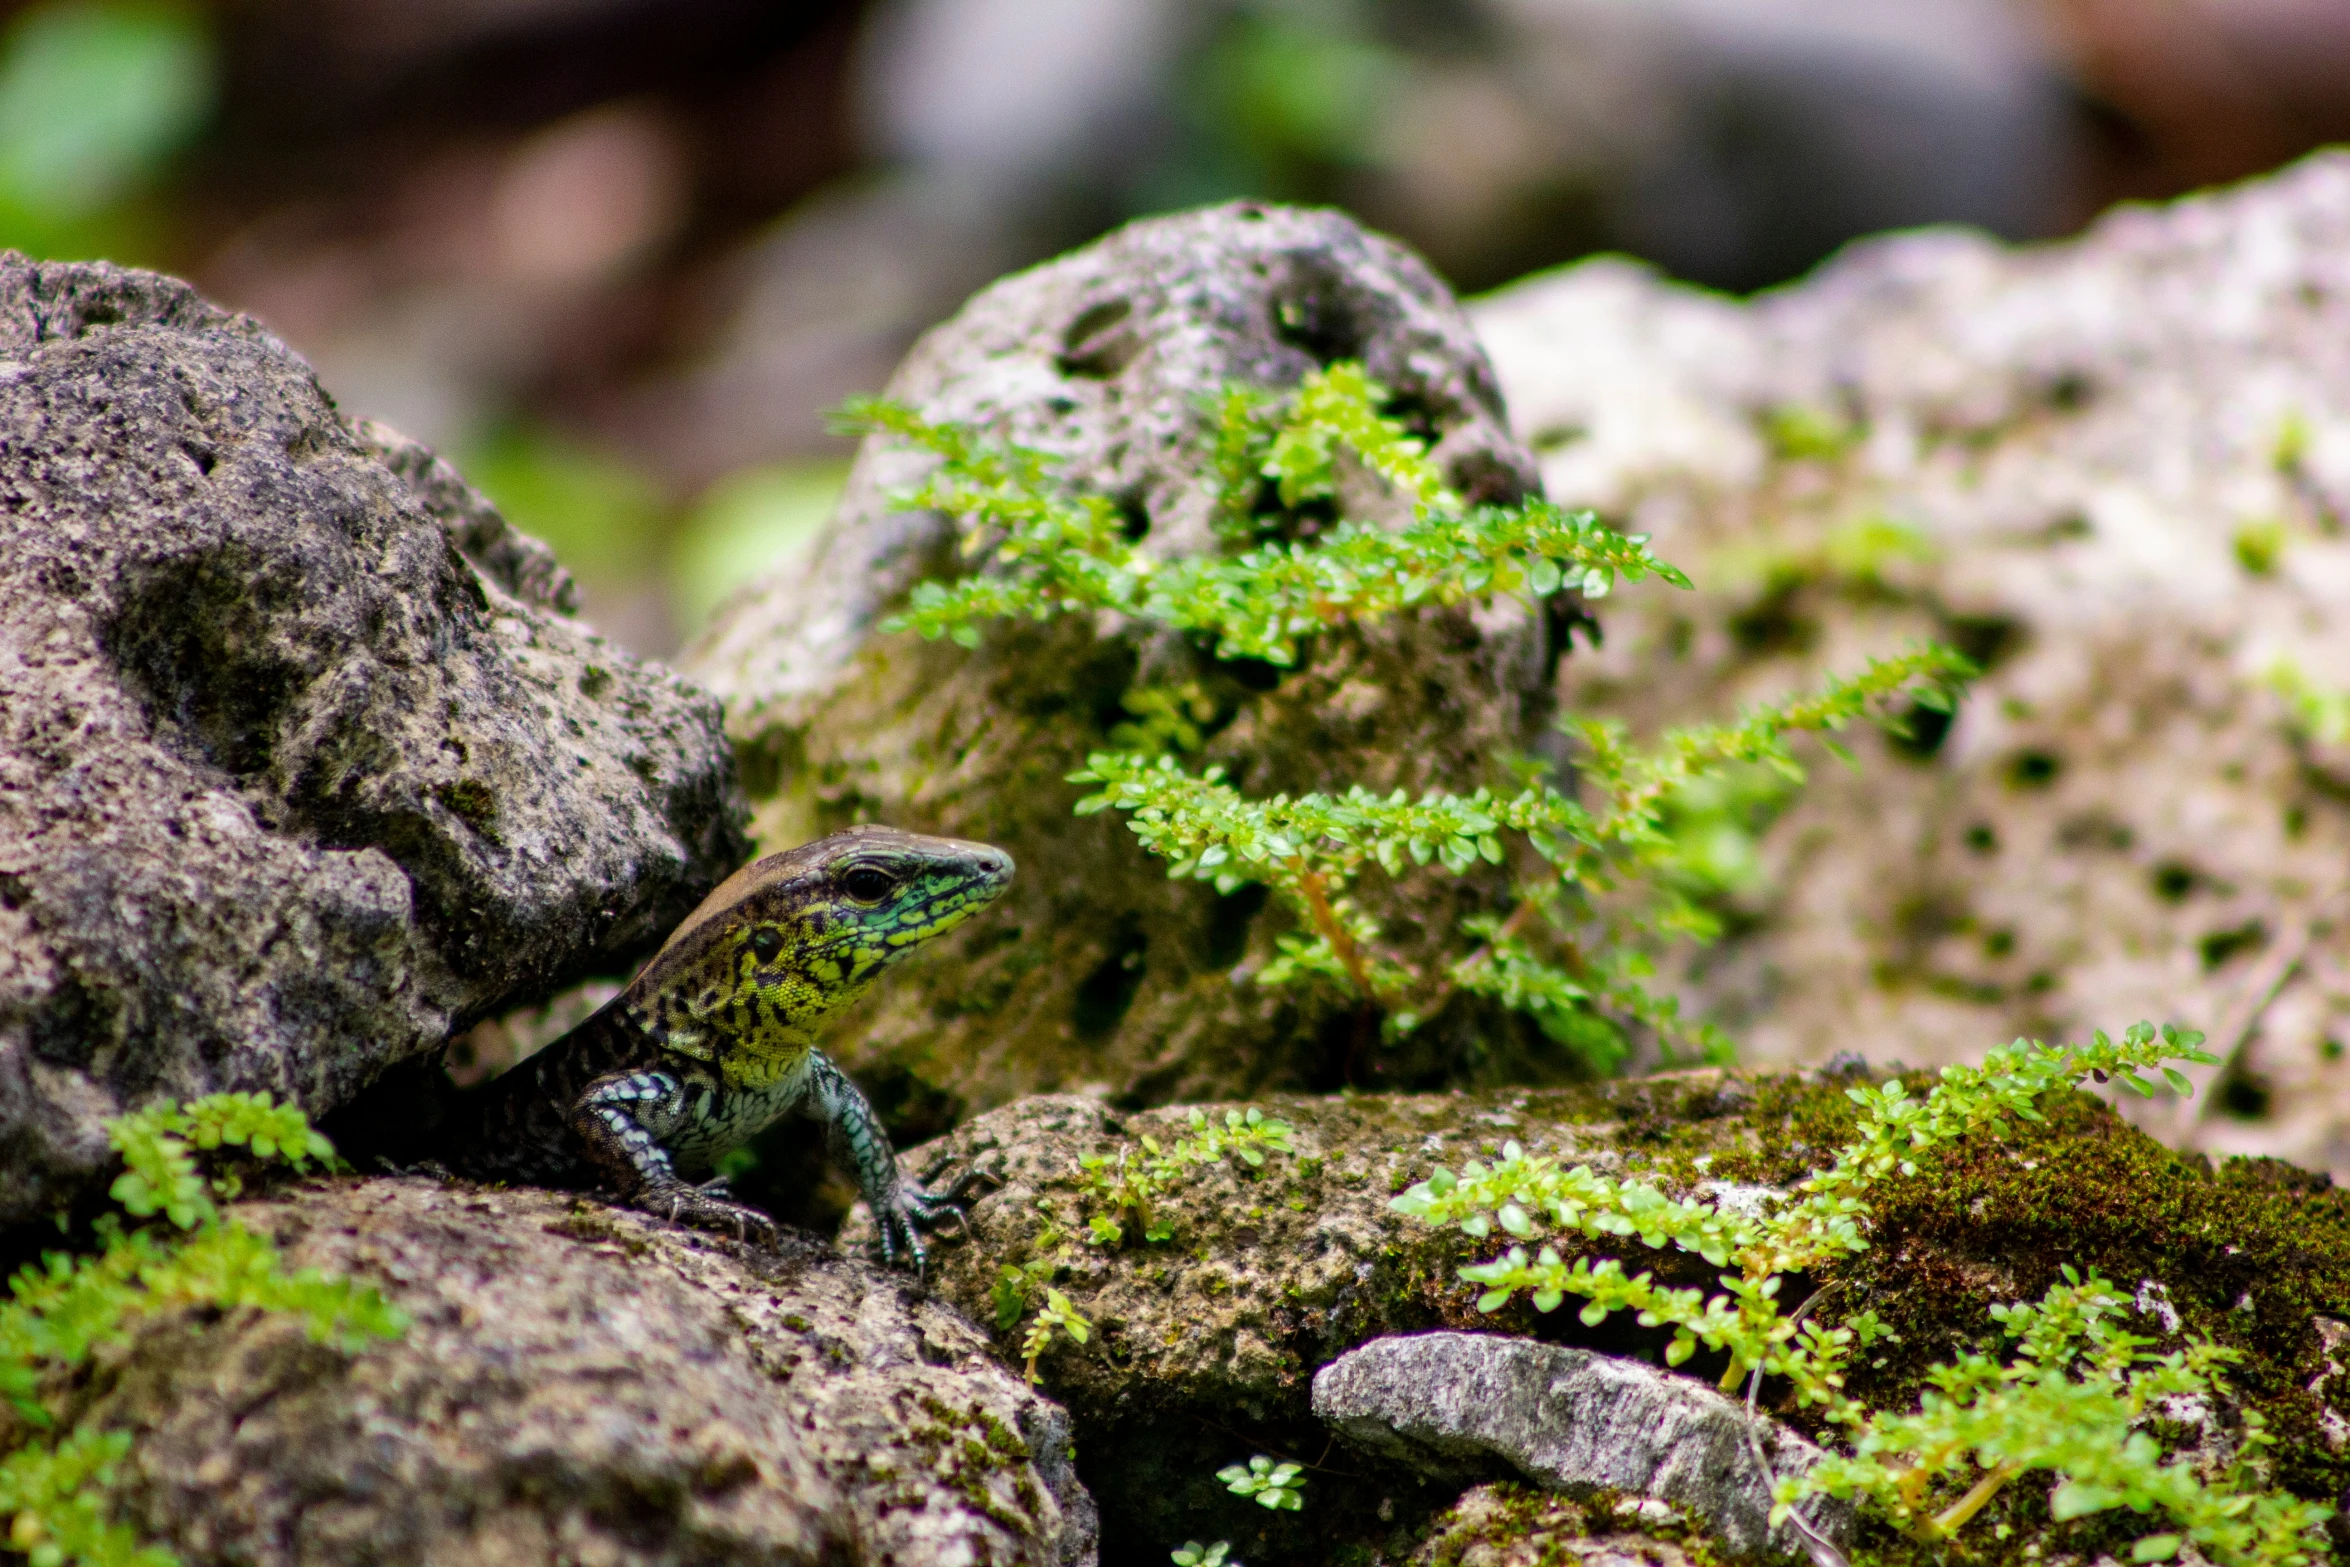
(2073, 1402)
(1801, 433)
(1130, 1188)
(1056, 1313)
(1193, 1554)
(2260, 546)
(2068, 1402)
(2319, 713)
(1599, 873)
(1280, 1487)
(55, 1488)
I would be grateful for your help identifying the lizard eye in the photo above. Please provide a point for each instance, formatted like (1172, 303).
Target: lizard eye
(766, 942)
(867, 885)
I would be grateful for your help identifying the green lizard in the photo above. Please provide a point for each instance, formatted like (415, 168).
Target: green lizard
(716, 1038)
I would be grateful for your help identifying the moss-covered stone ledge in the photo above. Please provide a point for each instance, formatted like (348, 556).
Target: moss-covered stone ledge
(583, 1384)
(1203, 1344)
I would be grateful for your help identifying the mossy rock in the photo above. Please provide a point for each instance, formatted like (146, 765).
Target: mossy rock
(1204, 1345)
(1097, 971)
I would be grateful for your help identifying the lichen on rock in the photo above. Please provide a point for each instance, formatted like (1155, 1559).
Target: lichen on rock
(301, 764)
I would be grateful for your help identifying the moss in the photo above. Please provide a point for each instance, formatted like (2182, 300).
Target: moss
(1512, 1525)
(973, 1449)
(1208, 1342)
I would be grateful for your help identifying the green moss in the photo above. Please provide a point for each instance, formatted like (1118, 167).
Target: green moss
(972, 1448)
(1525, 1527)
(2251, 1255)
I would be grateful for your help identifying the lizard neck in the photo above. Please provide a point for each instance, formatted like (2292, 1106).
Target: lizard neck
(743, 1071)
(753, 1038)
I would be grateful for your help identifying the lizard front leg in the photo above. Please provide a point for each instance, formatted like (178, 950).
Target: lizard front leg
(902, 1209)
(614, 1121)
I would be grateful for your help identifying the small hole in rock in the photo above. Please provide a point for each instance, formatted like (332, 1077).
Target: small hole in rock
(1316, 320)
(1228, 926)
(2034, 769)
(2221, 945)
(1985, 639)
(1106, 993)
(1923, 729)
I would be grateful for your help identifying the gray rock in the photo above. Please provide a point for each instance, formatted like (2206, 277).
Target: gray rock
(1098, 970)
(582, 1384)
(1455, 1403)
(2118, 471)
(300, 765)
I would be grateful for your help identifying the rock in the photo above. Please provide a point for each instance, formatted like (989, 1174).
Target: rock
(1097, 970)
(2116, 471)
(582, 1384)
(1509, 1525)
(1204, 1343)
(1455, 1403)
(301, 765)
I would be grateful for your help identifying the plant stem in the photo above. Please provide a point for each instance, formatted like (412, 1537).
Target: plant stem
(1954, 1517)
(1326, 921)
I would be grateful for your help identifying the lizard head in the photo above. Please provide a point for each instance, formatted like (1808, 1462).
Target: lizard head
(788, 942)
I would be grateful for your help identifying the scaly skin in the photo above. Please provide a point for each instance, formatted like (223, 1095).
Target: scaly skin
(716, 1038)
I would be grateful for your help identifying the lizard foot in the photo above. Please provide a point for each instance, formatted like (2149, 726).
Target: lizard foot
(697, 1208)
(916, 1211)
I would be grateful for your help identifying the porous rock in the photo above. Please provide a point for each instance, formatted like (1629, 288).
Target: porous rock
(1509, 1525)
(2116, 471)
(302, 764)
(1456, 1404)
(585, 1385)
(1205, 1339)
(1096, 970)
(1205, 1342)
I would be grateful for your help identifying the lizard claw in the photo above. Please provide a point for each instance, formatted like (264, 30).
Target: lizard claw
(696, 1208)
(912, 1211)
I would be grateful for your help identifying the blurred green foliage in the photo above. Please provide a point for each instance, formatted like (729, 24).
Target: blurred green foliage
(602, 515)
(1278, 96)
(619, 532)
(96, 98)
(743, 526)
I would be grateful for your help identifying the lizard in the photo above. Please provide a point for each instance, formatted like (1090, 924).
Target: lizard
(715, 1039)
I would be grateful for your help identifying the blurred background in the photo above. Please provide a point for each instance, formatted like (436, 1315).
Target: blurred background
(616, 257)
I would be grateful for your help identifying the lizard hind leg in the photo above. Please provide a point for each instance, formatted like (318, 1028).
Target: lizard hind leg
(615, 1119)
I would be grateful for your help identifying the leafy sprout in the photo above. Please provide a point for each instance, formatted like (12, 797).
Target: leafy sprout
(1279, 1486)
(1601, 879)
(55, 1490)
(2070, 1402)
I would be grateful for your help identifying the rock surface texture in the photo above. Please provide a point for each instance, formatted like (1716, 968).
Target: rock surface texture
(301, 763)
(580, 1384)
(1206, 1339)
(1459, 1403)
(2117, 472)
(1510, 1526)
(1097, 970)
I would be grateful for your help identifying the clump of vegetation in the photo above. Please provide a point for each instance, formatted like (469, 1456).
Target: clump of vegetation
(1280, 1486)
(1602, 879)
(2073, 1401)
(56, 1487)
(1129, 1190)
